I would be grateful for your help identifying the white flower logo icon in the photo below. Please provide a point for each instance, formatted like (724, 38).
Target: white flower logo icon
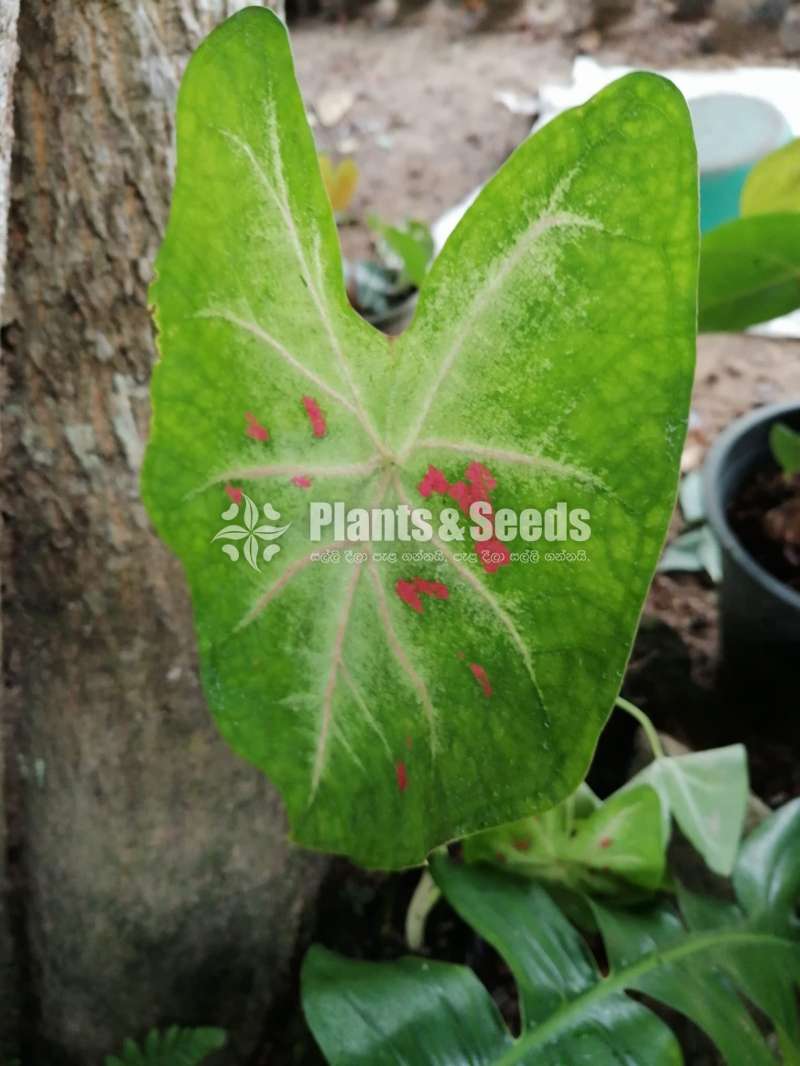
(250, 532)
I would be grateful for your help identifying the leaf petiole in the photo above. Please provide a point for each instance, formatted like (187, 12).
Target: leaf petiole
(648, 727)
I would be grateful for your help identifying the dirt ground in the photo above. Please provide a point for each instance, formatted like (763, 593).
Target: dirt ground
(420, 116)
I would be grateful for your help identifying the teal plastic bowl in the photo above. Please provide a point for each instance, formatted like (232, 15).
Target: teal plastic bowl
(733, 132)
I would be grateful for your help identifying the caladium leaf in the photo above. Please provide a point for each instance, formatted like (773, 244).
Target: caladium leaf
(604, 849)
(706, 793)
(402, 701)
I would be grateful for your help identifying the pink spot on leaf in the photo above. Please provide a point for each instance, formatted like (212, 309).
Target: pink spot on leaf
(482, 678)
(402, 776)
(315, 416)
(432, 588)
(234, 494)
(407, 591)
(521, 844)
(606, 842)
(462, 494)
(433, 481)
(301, 481)
(254, 427)
(481, 480)
(492, 555)
(477, 488)
(410, 592)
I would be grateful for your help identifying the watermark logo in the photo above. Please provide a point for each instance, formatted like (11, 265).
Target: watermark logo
(252, 532)
(475, 534)
(481, 523)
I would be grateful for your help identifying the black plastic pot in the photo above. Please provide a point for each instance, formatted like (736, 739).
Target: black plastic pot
(759, 615)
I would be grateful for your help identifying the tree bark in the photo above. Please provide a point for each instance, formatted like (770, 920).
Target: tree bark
(160, 887)
(9, 976)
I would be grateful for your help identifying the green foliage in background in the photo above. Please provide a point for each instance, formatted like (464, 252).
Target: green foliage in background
(411, 244)
(618, 848)
(773, 185)
(750, 267)
(698, 958)
(749, 271)
(785, 446)
(172, 1047)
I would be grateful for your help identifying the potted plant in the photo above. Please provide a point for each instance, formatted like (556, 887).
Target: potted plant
(752, 491)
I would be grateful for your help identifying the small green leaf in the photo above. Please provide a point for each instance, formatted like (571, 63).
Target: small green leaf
(602, 849)
(774, 183)
(694, 550)
(412, 244)
(172, 1047)
(785, 446)
(749, 271)
(549, 362)
(706, 793)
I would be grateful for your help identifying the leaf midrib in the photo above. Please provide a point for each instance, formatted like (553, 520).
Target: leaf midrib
(619, 982)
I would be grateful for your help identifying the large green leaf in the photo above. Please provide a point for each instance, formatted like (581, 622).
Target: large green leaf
(606, 848)
(414, 1011)
(706, 792)
(400, 704)
(774, 183)
(749, 271)
(571, 1012)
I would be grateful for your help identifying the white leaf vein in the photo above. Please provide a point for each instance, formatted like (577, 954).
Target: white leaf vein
(278, 192)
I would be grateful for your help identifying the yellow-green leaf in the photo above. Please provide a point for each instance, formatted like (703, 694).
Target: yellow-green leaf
(548, 366)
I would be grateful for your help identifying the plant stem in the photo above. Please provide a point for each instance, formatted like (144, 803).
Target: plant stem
(645, 723)
(425, 897)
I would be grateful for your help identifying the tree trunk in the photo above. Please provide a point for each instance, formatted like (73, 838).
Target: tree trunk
(160, 887)
(9, 977)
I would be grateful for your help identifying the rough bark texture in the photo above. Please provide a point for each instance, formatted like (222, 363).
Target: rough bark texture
(159, 885)
(9, 983)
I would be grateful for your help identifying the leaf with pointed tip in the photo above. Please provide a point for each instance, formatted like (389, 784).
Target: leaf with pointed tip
(706, 794)
(398, 704)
